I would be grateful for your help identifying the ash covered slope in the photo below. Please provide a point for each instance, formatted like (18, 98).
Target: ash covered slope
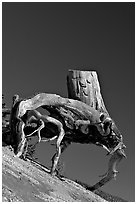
(22, 181)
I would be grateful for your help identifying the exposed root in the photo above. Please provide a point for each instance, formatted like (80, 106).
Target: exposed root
(83, 116)
(112, 172)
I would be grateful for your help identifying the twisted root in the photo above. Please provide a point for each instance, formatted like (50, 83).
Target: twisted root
(117, 156)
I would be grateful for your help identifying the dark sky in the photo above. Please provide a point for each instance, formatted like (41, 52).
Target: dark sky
(41, 41)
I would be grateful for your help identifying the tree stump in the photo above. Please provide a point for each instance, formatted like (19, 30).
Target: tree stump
(84, 86)
(74, 121)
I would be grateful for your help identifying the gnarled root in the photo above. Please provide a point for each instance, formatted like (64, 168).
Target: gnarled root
(112, 172)
(37, 130)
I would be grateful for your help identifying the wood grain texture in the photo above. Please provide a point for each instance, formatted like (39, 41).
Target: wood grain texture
(84, 86)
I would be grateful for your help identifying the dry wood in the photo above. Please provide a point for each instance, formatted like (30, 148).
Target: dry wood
(70, 120)
(84, 86)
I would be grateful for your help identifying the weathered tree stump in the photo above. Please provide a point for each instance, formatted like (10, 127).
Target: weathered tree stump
(81, 118)
(84, 86)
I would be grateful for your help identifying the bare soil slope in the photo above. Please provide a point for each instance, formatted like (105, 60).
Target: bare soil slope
(23, 181)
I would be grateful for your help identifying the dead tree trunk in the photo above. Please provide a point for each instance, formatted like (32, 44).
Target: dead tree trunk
(84, 86)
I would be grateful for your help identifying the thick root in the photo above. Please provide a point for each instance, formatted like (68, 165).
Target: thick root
(112, 172)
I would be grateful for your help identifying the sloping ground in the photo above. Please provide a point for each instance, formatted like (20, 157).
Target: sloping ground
(102, 194)
(23, 181)
(109, 197)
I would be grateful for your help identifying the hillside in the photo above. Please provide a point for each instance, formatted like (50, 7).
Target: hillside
(23, 181)
(26, 181)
